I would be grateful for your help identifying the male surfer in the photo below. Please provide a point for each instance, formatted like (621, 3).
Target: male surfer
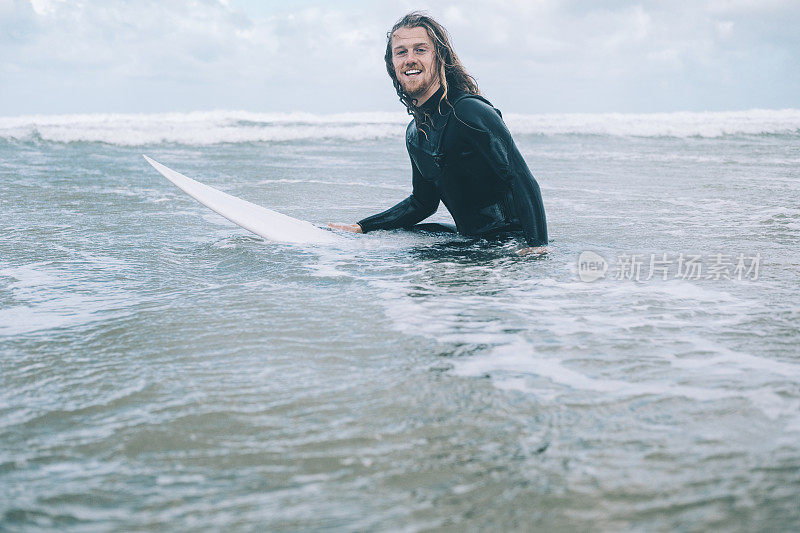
(461, 150)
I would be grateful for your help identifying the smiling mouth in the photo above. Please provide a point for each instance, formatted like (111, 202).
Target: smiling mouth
(412, 72)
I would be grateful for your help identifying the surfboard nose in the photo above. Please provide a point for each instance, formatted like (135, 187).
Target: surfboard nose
(264, 222)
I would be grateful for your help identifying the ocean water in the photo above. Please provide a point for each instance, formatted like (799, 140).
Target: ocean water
(162, 369)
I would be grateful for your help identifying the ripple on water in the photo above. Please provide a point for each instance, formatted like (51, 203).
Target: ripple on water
(162, 369)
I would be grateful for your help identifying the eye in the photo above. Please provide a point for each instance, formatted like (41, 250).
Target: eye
(421, 50)
(400, 53)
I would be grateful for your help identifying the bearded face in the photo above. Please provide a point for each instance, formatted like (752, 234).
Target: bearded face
(414, 61)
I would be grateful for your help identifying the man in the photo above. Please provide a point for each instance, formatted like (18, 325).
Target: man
(461, 150)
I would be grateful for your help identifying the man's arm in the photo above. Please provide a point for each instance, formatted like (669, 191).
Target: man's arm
(423, 202)
(485, 131)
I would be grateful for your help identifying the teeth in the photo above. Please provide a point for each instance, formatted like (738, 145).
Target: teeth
(409, 72)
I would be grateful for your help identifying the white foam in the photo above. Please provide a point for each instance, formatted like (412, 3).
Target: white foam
(213, 127)
(519, 358)
(680, 124)
(512, 366)
(575, 352)
(201, 128)
(725, 360)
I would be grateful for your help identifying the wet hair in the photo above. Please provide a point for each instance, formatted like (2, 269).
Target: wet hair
(451, 73)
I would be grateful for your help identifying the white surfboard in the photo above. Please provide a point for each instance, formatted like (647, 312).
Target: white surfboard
(264, 222)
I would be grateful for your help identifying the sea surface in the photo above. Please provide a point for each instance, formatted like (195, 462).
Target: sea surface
(162, 369)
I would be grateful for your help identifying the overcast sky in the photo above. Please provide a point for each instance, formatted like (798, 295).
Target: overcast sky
(529, 56)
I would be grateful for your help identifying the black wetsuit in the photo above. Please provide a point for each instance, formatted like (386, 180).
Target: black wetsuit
(464, 156)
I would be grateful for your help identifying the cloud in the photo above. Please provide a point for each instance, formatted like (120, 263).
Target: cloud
(545, 55)
(637, 56)
(140, 39)
(749, 6)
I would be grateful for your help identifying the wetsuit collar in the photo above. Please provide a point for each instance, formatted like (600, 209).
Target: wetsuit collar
(435, 110)
(431, 105)
(431, 102)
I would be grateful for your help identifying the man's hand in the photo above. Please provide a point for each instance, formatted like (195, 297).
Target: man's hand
(353, 228)
(536, 250)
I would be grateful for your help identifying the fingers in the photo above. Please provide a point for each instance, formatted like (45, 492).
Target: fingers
(353, 228)
(536, 250)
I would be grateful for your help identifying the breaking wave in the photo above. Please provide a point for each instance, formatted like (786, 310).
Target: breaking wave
(216, 127)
